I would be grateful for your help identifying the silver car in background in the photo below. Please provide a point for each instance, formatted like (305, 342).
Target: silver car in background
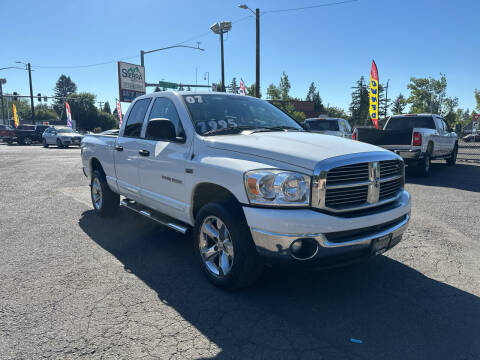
(61, 137)
(329, 126)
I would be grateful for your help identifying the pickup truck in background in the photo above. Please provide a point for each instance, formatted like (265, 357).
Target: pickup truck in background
(249, 184)
(5, 132)
(26, 134)
(416, 138)
(329, 126)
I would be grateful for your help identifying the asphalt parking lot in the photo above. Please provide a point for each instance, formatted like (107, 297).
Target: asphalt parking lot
(73, 285)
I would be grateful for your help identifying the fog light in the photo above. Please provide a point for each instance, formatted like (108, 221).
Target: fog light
(304, 249)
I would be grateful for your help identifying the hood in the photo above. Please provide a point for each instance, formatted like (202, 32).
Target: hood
(296, 148)
(69, 134)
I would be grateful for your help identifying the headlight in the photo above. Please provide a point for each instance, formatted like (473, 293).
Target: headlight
(277, 188)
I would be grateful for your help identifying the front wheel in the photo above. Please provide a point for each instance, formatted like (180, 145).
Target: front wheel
(224, 247)
(44, 143)
(59, 143)
(452, 160)
(105, 201)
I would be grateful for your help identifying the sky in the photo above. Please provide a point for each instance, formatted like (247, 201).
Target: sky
(330, 45)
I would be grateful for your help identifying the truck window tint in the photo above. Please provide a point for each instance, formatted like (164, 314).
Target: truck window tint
(134, 123)
(323, 125)
(409, 122)
(164, 108)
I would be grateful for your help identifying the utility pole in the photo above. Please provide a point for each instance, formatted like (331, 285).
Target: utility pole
(220, 28)
(257, 75)
(31, 92)
(223, 66)
(2, 81)
(386, 99)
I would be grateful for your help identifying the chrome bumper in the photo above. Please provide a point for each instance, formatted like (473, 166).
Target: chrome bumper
(278, 245)
(408, 154)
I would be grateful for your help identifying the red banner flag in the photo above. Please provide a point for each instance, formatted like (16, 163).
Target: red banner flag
(119, 113)
(374, 94)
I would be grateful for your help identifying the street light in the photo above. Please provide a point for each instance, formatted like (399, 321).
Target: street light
(221, 28)
(142, 52)
(206, 76)
(31, 90)
(257, 72)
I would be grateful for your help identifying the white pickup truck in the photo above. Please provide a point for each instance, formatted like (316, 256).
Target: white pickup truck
(252, 185)
(417, 138)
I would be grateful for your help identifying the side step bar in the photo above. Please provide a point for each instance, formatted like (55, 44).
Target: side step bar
(155, 216)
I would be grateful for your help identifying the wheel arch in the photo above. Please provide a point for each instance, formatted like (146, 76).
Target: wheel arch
(95, 164)
(206, 192)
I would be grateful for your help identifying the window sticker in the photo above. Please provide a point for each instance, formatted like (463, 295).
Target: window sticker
(194, 99)
(204, 126)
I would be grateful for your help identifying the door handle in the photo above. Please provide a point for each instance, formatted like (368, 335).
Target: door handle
(118, 147)
(144, 152)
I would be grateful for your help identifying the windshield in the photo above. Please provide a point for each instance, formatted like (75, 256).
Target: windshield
(68, 131)
(218, 111)
(409, 122)
(323, 125)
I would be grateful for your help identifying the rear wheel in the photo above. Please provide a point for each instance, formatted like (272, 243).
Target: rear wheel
(44, 143)
(423, 166)
(452, 160)
(27, 140)
(224, 247)
(105, 201)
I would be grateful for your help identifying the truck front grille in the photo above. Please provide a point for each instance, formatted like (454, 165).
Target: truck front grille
(358, 185)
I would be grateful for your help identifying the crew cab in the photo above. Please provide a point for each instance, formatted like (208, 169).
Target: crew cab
(328, 126)
(417, 138)
(251, 185)
(26, 134)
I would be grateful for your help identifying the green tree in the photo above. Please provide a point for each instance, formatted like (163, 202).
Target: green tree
(336, 112)
(234, 86)
(106, 108)
(399, 104)
(273, 92)
(360, 103)
(23, 108)
(106, 121)
(430, 95)
(44, 112)
(284, 87)
(477, 99)
(314, 95)
(84, 111)
(251, 90)
(63, 89)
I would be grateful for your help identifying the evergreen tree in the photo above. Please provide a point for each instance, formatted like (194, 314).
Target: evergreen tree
(234, 86)
(251, 90)
(63, 89)
(106, 108)
(399, 104)
(284, 87)
(360, 103)
(311, 92)
(273, 92)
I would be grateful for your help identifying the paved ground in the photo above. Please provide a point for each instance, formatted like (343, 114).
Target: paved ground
(73, 285)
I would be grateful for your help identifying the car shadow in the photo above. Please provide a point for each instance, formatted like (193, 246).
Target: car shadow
(462, 176)
(397, 312)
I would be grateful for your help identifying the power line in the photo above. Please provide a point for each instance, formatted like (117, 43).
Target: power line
(309, 7)
(129, 57)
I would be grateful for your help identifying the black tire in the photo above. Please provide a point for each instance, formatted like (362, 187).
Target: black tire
(20, 141)
(246, 266)
(59, 144)
(27, 140)
(423, 165)
(44, 143)
(452, 160)
(110, 201)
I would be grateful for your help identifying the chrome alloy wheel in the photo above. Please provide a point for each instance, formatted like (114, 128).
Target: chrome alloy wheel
(97, 197)
(216, 247)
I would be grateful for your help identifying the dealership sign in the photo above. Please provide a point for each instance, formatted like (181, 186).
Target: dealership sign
(131, 81)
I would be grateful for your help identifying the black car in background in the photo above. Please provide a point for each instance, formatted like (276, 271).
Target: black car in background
(26, 134)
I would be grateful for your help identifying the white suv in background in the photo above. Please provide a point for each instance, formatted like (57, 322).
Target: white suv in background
(61, 137)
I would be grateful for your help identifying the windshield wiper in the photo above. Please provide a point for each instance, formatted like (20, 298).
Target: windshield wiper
(229, 130)
(277, 128)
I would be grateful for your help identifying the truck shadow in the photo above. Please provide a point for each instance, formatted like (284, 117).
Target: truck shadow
(396, 311)
(462, 176)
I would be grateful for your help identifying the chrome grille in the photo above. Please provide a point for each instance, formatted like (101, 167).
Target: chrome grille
(367, 180)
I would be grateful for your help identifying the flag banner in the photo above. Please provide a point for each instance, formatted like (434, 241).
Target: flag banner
(241, 91)
(374, 94)
(69, 115)
(119, 113)
(15, 115)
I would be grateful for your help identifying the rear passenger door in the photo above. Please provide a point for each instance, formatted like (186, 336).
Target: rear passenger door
(126, 152)
(162, 166)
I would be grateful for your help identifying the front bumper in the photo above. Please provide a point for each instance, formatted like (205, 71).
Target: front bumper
(338, 238)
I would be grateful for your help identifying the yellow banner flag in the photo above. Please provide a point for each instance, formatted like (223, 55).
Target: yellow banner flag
(15, 116)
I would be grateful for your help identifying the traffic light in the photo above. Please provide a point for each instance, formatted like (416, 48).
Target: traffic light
(39, 97)
(15, 98)
(45, 98)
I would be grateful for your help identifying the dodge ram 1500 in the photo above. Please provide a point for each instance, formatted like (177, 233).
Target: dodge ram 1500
(253, 186)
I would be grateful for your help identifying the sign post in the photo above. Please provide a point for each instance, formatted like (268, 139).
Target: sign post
(131, 81)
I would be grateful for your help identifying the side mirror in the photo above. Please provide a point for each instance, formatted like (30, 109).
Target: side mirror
(161, 129)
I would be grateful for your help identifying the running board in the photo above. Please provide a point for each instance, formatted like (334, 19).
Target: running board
(162, 219)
